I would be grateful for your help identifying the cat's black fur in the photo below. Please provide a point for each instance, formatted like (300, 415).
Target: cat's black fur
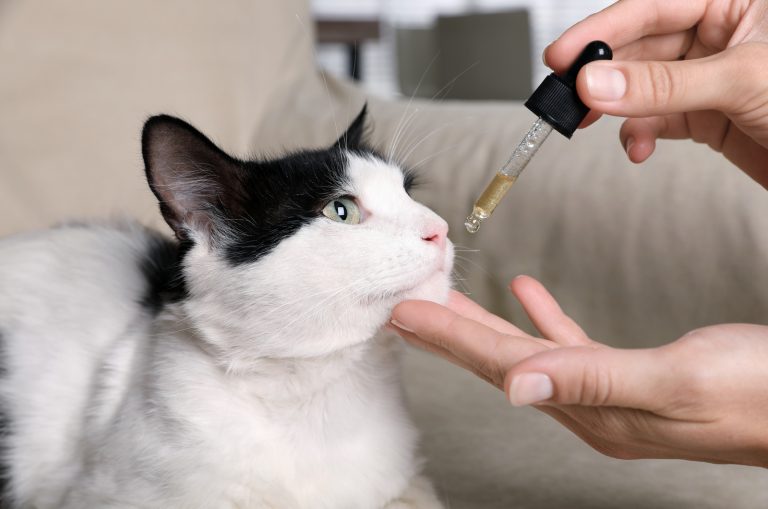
(247, 206)
(161, 267)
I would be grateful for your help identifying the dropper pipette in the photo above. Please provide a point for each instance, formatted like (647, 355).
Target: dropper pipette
(558, 107)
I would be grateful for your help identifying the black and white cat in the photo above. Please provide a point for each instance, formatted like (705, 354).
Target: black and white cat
(235, 367)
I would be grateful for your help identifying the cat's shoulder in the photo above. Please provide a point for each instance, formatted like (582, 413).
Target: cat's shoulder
(79, 242)
(121, 256)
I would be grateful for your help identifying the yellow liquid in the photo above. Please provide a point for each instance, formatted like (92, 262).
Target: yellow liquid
(494, 193)
(485, 205)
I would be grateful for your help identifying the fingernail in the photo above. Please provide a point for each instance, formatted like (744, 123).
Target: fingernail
(605, 83)
(400, 325)
(630, 142)
(530, 388)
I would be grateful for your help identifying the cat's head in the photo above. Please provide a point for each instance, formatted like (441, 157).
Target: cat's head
(298, 256)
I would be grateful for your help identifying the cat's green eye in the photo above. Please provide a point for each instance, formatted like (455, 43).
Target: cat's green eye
(343, 210)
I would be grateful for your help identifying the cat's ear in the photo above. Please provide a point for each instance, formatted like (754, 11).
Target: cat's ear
(353, 136)
(187, 173)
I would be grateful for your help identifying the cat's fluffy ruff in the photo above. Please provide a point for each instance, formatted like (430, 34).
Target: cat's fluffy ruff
(263, 387)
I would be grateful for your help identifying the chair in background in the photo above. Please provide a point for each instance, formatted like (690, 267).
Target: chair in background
(475, 56)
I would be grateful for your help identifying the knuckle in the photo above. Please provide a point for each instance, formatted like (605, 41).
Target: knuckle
(661, 84)
(697, 383)
(748, 54)
(596, 385)
(744, 94)
(490, 367)
(697, 347)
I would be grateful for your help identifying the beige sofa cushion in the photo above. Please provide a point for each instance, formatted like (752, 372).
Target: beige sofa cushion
(78, 80)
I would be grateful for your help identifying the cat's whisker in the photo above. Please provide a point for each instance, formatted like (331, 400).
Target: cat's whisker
(458, 266)
(424, 160)
(416, 145)
(258, 306)
(308, 297)
(450, 83)
(307, 31)
(445, 88)
(321, 303)
(464, 248)
(461, 282)
(400, 132)
(483, 269)
(410, 101)
(330, 104)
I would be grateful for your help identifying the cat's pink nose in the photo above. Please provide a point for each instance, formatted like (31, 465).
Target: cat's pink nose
(437, 233)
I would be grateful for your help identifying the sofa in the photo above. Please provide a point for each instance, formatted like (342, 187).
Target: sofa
(637, 255)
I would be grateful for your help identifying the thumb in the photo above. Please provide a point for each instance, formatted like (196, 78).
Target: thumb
(643, 89)
(591, 376)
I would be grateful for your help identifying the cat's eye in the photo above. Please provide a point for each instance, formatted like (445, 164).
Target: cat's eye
(343, 210)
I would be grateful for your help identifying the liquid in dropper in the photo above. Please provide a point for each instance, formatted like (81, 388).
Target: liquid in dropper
(488, 200)
(507, 175)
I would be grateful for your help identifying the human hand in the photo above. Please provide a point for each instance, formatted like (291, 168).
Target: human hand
(682, 69)
(703, 397)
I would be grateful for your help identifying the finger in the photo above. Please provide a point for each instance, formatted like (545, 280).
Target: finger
(468, 308)
(657, 47)
(445, 354)
(644, 89)
(545, 313)
(481, 347)
(747, 154)
(622, 23)
(591, 118)
(593, 376)
(638, 135)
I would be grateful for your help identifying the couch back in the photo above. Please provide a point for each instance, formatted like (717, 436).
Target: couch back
(78, 79)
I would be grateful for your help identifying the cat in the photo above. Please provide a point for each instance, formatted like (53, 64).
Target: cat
(235, 366)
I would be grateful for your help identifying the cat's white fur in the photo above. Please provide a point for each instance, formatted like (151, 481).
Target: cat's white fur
(267, 388)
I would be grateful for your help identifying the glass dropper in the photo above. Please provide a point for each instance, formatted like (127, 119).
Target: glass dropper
(507, 175)
(558, 107)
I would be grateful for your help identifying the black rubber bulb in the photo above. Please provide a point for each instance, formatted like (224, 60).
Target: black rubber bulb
(556, 100)
(595, 50)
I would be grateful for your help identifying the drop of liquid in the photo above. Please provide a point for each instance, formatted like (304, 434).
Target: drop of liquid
(472, 223)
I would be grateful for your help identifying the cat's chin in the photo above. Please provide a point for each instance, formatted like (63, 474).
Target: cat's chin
(436, 288)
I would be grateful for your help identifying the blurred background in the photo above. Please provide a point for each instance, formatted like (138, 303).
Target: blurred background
(457, 49)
